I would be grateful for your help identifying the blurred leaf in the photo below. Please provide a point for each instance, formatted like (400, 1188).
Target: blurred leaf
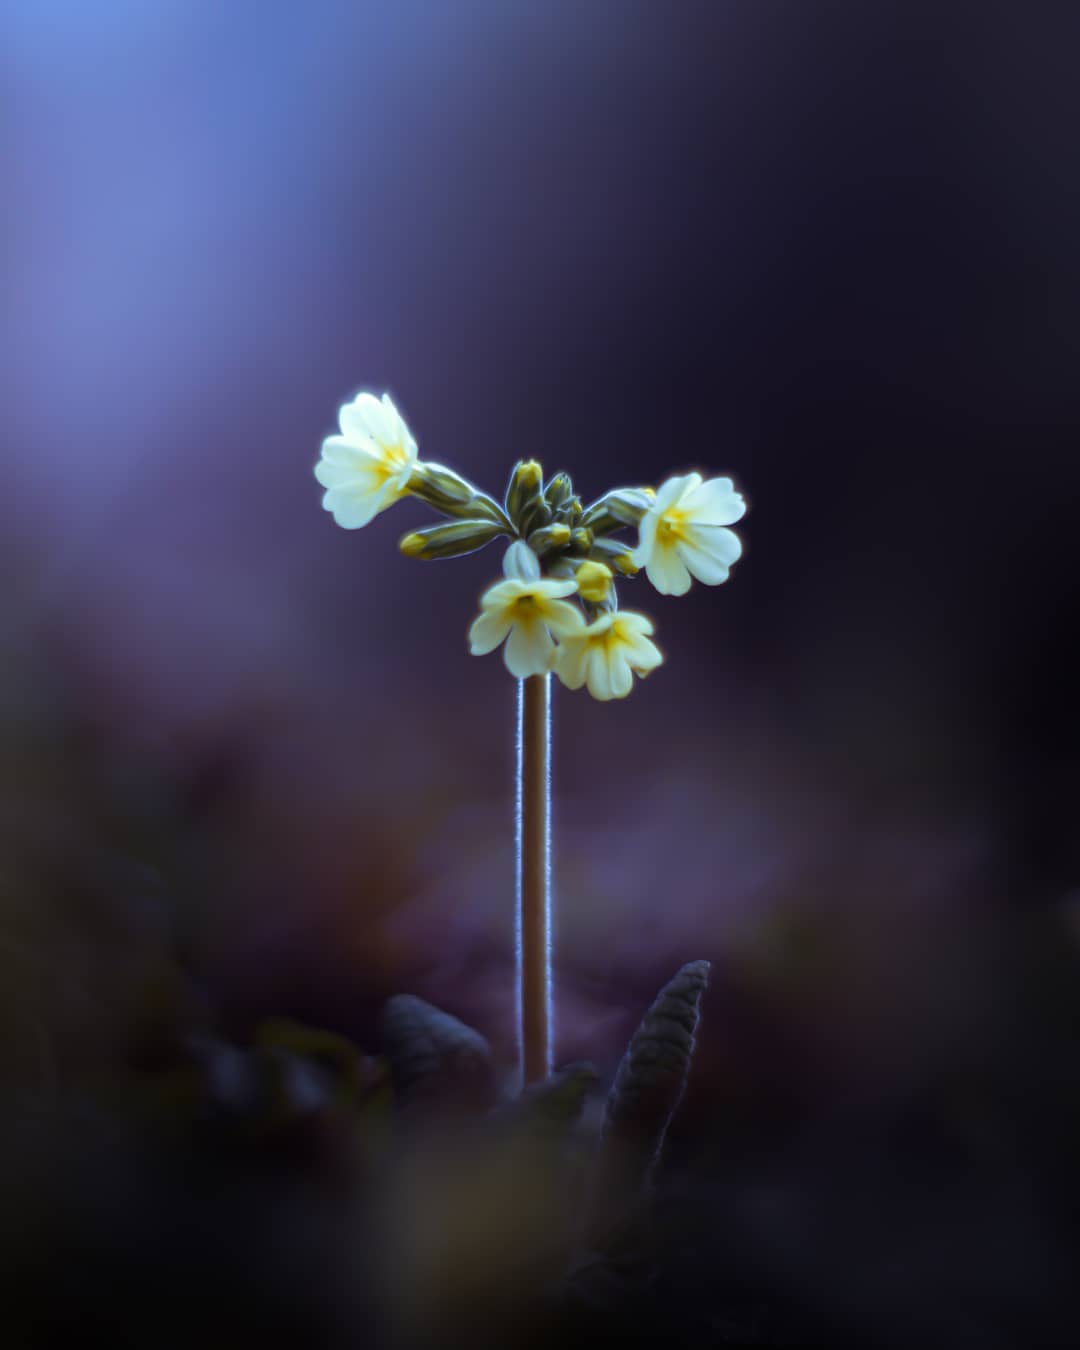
(435, 1060)
(648, 1087)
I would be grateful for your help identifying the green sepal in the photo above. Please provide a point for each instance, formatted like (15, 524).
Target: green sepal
(453, 540)
(548, 539)
(613, 511)
(616, 554)
(453, 495)
(558, 491)
(523, 491)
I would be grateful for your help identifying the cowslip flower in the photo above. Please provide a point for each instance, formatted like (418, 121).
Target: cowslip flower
(683, 534)
(527, 610)
(607, 654)
(368, 466)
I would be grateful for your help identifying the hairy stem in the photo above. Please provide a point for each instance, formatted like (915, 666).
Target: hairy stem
(534, 876)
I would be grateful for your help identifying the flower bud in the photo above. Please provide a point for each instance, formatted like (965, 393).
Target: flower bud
(524, 490)
(594, 582)
(581, 540)
(450, 541)
(549, 538)
(451, 494)
(615, 554)
(558, 491)
(623, 506)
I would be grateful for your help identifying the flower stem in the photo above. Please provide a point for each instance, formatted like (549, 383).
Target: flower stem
(534, 876)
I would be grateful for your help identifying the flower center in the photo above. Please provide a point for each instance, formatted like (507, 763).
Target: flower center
(670, 528)
(393, 460)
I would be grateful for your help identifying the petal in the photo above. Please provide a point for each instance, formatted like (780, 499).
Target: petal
(502, 594)
(360, 474)
(644, 656)
(529, 650)
(674, 490)
(646, 538)
(332, 475)
(366, 416)
(345, 450)
(402, 435)
(667, 572)
(520, 563)
(622, 677)
(562, 619)
(549, 589)
(599, 674)
(709, 551)
(715, 503)
(633, 624)
(351, 510)
(571, 662)
(486, 632)
(394, 421)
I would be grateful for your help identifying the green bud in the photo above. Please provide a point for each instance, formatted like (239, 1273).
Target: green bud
(450, 541)
(559, 490)
(453, 495)
(581, 540)
(624, 506)
(535, 516)
(549, 539)
(523, 491)
(616, 554)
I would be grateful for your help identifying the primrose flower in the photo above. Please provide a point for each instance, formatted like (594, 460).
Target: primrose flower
(608, 654)
(367, 468)
(527, 610)
(682, 533)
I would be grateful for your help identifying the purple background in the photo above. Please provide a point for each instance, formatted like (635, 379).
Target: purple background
(247, 758)
(828, 249)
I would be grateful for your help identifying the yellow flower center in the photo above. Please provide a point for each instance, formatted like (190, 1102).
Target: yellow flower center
(394, 458)
(671, 528)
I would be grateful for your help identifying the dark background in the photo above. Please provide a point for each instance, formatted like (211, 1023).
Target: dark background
(249, 767)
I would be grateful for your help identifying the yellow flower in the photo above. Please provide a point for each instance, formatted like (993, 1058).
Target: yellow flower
(682, 533)
(367, 468)
(528, 610)
(608, 654)
(594, 582)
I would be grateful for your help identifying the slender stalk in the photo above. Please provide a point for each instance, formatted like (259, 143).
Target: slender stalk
(534, 876)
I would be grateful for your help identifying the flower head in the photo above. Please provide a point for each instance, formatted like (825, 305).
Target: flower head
(367, 468)
(594, 582)
(607, 654)
(527, 610)
(683, 533)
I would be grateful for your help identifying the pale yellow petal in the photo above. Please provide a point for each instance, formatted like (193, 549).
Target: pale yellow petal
(571, 662)
(486, 632)
(563, 619)
(529, 650)
(667, 572)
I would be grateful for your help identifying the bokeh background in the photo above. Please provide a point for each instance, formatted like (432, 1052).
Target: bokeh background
(250, 769)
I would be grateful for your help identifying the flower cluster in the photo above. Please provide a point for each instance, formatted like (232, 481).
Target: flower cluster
(561, 550)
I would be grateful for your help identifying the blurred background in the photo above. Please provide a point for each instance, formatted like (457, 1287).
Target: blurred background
(249, 770)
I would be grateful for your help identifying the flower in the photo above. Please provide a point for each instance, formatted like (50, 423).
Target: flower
(530, 609)
(608, 654)
(367, 468)
(682, 533)
(594, 582)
